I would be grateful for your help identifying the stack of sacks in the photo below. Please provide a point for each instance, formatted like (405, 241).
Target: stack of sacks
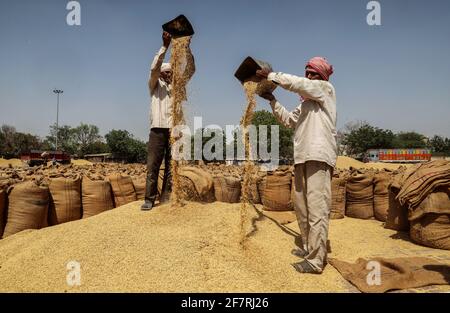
(197, 184)
(426, 193)
(430, 220)
(397, 214)
(427, 177)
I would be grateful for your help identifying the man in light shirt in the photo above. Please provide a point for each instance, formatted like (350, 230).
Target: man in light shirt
(315, 152)
(160, 86)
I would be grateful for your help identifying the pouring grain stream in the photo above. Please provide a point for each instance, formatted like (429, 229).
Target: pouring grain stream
(183, 68)
(250, 88)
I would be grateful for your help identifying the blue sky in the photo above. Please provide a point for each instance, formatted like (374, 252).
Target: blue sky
(394, 76)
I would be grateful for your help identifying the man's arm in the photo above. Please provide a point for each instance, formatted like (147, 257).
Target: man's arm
(288, 119)
(311, 89)
(155, 69)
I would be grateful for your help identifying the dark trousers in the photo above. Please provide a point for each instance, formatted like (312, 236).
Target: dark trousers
(158, 149)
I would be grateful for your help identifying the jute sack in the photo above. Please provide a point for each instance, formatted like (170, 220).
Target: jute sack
(27, 208)
(423, 181)
(436, 202)
(430, 221)
(227, 189)
(359, 196)
(432, 230)
(123, 189)
(381, 195)
(203, 181)
(139, 184)
(197, 184)
(187, 190)
(96, 197)
(253, 193)
(2, 210)
(337, 198)
(275, 192)
(65, 200)
(397, 216)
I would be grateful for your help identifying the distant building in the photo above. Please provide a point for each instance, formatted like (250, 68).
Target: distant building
(99, 157)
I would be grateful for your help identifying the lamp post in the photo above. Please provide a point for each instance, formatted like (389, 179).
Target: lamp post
(57, 91)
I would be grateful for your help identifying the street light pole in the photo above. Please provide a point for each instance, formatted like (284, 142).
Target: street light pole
(57, 91)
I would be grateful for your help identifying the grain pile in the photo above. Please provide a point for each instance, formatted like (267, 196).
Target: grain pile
(183, 68)
(81, 162)
(191, 249)
(344, 162)
(11, 163)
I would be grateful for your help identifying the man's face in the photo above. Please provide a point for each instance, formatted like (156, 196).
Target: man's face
(312, 74)
(166, 76)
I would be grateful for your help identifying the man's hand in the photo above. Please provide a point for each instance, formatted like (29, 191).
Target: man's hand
(268, 96)
(166, 37)
(263, 73)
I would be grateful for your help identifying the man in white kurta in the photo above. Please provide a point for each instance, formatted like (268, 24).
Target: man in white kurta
(315, 150)
(159, 148)
(160, 85)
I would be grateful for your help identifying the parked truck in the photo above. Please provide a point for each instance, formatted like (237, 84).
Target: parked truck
(38, 157)
(398, 155)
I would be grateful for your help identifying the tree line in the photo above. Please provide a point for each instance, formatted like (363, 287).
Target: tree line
(76, 141)
(357, 137)
(354, 139)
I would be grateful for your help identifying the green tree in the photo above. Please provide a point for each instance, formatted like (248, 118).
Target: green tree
(87, 138)
(66, 139)
(26, 142)
(409, 140)
(286, 143)
(7, 145)
(264, 117)
(440, 145)
(138, 151)
(13, 143)
(363, 136)
(122, 144)
(97, 147)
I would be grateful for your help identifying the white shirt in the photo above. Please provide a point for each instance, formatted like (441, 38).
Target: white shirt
(161, 106)
(313, 121)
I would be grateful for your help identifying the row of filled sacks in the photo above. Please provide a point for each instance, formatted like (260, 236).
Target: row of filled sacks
(274, 190)
(29, 206)
(367, 195)
(360, 194)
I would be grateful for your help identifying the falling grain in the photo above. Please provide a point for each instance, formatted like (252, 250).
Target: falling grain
(183, 68)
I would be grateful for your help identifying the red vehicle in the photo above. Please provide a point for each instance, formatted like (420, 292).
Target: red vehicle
(399, 155)
(37, 157)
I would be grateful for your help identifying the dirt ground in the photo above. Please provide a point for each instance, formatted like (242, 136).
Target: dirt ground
(189, 249)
